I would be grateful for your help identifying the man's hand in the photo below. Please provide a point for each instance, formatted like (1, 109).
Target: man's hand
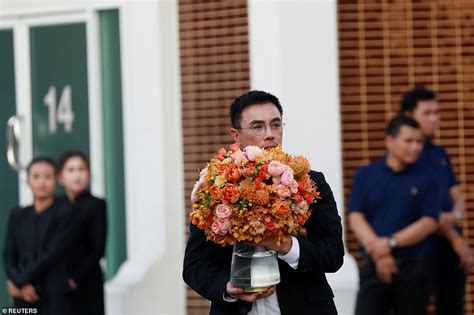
(13, 291)
(386, 267)
(238, 293)
(446, 221)
(466, 256)
(29, 294)
(283, 248)
(72, 284)
(378, 248)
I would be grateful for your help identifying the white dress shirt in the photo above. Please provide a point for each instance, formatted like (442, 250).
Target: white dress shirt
(269, 305)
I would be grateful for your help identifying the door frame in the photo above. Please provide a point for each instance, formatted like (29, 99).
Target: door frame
(20, 23)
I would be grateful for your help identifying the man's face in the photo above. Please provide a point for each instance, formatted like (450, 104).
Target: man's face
(428, 116)
(406, 146)
(42, 180)
(260, 125)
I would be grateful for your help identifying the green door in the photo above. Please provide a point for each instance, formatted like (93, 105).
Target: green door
(60, 110)
(8, 176)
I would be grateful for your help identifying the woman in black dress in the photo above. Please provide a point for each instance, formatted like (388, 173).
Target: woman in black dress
(35, 246)
(88, 237)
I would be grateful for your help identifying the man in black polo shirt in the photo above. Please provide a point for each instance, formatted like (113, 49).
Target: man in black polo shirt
(394, 207)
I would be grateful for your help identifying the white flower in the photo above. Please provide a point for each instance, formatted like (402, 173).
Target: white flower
(253, 152)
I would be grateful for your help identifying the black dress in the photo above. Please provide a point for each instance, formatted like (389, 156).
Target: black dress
(87, 247)
(34, 253)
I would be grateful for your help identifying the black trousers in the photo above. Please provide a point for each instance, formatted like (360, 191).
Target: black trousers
(450, 279)
(407, 294)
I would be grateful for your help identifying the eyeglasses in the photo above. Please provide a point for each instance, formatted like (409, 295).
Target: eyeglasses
(260, 129)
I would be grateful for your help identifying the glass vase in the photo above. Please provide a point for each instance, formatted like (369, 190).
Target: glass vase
(254, 268)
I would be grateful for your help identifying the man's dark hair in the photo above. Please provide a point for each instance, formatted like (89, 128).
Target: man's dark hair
(411, 98)
(394, 126)
(251, 98)
(71, 154)
(41, 159)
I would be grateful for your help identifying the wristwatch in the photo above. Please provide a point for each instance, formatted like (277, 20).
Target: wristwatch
(392, 242)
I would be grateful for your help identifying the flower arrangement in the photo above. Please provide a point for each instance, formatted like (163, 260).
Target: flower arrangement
(252, 194)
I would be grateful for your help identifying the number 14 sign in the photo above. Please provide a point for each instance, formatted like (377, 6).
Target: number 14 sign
(62, 112)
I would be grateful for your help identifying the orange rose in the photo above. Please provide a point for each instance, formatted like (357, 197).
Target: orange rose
(230, 192)
(220, 154)
(298, 198)
(233, 173)
(248, 171)
(234, 147)
(280, 209)
(214, 191)
(271, 226)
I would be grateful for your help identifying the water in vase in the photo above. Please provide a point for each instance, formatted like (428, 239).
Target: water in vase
(254, 267)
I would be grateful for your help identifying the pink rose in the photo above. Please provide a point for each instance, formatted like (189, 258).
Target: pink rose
(215, 228)
(220, 227)
(253, 152)
(294, 186)
(287, 177)
(237, 155)
(282, 191)
(224, 225)
(223, 211)
(275, 168)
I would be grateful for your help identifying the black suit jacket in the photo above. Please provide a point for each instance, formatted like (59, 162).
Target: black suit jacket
(301, 291)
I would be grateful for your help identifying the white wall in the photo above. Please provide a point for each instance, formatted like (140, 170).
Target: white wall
(293, 54)
(150, 281)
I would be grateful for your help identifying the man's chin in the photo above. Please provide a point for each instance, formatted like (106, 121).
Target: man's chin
(430, 134)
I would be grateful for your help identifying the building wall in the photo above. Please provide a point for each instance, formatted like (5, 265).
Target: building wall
(386, 48)
(214, 54)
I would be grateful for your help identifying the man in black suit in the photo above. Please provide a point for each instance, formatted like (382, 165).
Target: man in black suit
(303, 261)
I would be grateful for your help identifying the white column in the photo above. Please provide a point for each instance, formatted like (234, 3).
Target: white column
(150, 280)
(294, 55)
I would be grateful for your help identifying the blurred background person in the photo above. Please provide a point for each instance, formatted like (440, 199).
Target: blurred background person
(453, 255)
(34, 246)
(88, 235)
(393, 208)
